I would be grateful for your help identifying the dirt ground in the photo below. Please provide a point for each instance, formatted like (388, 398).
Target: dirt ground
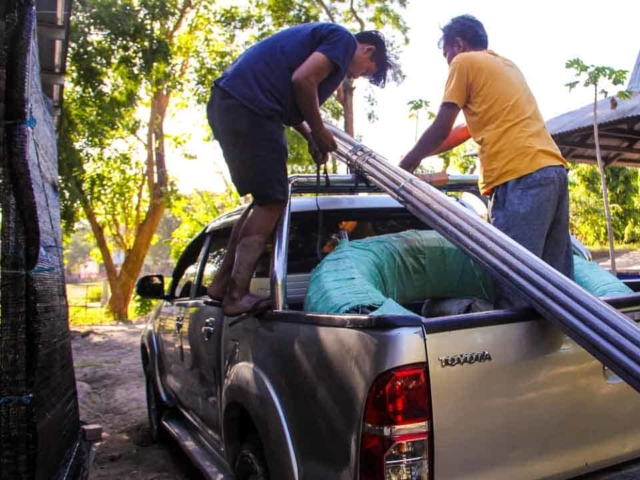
(111, 393)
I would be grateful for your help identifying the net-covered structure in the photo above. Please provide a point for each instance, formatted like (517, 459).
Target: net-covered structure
(39, 419)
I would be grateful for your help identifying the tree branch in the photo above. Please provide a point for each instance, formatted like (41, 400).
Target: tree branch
(162, 101)
(98, 233)
(356, 16)
(139, 203)
(118, 239)
(150, 150)
(183, 12)
(144, 144)
(326, 10)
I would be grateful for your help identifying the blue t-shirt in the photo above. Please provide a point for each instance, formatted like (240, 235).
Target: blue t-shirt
(261, 77)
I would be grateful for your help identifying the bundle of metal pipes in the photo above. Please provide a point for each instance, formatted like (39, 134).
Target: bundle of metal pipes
(600, 329)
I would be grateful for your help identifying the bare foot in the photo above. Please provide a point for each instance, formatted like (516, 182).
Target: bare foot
(250, 303)
(217, 289)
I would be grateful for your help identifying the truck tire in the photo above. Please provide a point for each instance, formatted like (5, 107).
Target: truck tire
(155, 410)
(251, 464)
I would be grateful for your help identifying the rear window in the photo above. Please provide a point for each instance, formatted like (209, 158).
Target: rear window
(312, 237)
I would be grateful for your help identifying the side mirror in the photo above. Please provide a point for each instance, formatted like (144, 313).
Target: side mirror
(150, 286)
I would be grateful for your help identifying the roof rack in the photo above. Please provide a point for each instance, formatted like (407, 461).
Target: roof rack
(351, 184)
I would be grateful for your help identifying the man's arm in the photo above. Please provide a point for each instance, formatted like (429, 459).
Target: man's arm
(318, 157)
(458, 136)
(305, 81)
(304, 130)
(433, 137)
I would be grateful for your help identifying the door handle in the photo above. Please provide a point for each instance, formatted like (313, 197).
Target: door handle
(209, 327)
(179, 322)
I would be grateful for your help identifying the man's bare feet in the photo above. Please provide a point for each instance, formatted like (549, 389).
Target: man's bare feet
(250, 304)
(216, 291)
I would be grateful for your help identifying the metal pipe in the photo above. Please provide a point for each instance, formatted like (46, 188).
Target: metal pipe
(541, 284)
(524, 265)
(607, 334)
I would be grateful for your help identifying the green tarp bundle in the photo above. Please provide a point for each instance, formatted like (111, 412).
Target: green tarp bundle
(378, 274)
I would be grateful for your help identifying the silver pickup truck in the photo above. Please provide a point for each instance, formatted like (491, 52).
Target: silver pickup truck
(296, 394)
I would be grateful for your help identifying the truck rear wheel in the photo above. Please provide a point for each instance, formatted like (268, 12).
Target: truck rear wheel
(251, 464)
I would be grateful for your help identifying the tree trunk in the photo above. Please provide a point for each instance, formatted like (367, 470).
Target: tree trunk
(603, 179)
(122, 286)
(345, 98)
(347, 105)
(101, 240)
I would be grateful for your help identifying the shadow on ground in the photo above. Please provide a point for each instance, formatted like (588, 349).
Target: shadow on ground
(111, 393)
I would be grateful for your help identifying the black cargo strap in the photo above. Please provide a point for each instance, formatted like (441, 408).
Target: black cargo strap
(320, 216)
(327, 180)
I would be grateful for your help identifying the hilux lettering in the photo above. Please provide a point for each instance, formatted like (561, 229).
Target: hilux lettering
(462, 358)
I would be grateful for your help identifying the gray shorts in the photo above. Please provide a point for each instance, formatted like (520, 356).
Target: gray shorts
(534, 211)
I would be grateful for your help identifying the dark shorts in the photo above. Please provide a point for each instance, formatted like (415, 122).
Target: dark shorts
(254, 147)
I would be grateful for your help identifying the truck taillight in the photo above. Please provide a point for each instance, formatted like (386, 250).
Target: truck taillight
(396, 442)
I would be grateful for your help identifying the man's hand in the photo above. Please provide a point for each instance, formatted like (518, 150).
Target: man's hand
(324, 140)
(410, 162)
(318, 156)
(439, 179)
(432, 138)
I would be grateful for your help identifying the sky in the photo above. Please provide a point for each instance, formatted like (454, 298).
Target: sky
(538, 36)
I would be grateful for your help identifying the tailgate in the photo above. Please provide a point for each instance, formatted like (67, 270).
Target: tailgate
(535, 405)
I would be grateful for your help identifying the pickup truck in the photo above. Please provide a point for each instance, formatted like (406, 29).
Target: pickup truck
(296, 394)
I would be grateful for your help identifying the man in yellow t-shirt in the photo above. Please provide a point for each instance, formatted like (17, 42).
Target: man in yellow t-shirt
(521, 167)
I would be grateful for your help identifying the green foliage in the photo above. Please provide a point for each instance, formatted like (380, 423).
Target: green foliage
(463, 158)
(585, 207)
(158, 259)
(418, 105)
(94, 294)
(142, 306)
(81, 315)
(122, 55)
(300, 160)
(195, 211)
(264, 17)
(588, 221)
(128, 62)
(77, 247)
(593, 75)
(132, 64)
(261, 18)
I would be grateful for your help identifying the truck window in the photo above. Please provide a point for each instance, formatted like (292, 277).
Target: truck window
(184, 272)
(183, 289)
(311, 237)
(215, 254)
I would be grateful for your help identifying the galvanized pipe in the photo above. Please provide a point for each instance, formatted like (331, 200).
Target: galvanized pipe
(540, 284)
(600, 329)
(523, 265)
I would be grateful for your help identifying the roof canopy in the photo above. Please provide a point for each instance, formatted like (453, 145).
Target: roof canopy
(53, 39)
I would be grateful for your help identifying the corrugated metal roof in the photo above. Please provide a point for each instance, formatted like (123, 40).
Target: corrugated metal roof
(583, 117)
(634, 80)
(53, 40)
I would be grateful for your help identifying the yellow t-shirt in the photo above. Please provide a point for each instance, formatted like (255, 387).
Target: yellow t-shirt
(502, 116)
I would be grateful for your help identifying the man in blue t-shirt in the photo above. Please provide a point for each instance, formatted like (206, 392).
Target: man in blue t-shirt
(281, 81)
